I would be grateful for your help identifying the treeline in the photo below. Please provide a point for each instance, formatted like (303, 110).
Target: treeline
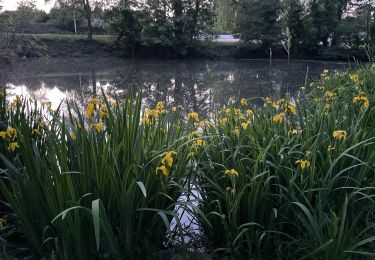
(331, 29)
(167, 26)
(325, 28)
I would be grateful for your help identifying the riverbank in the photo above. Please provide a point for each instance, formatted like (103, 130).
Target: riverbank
(78, 46)
(56, 45)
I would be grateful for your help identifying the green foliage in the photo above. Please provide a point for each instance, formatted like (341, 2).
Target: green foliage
(13, 22)
(127, 24)
(338, 29)
(84, 9)
(171, 25)
(40, 17)
(225, 11)
(257, 22)
(80, 187)
(294, 23)
(63, 18)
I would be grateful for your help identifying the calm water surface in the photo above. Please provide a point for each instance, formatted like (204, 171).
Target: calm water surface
(199, 85)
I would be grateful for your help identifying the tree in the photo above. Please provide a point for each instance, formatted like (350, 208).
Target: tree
(86, 7)
(127, 23)
(258, 22)
(166, 25)
(62, 17)
(16, 20)
(40, 17)
(295, 25)
(13, 22)
(326, 15)
(158, 27)
(199, 20)
(192, 20)
(225, 11)
(2, 26)
(365, 14)
(26, 11)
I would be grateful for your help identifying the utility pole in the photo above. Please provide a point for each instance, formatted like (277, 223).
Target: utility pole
(75, 23)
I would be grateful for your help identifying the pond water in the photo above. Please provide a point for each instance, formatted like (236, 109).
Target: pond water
(194, 85)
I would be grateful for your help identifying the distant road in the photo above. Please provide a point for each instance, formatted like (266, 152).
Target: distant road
(226, 38)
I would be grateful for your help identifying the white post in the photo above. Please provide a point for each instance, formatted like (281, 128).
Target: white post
(75, 23)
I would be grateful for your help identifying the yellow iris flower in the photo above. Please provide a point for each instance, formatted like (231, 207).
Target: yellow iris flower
(200, 142)
(340, 134)
(279, 118)
(245, 124)
(98, 127)
(163, 170)
(13, 146)
(303, 164)
(194, 116)
(361, 99)
(232, 172)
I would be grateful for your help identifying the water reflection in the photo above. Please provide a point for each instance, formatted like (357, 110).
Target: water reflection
(194, 85)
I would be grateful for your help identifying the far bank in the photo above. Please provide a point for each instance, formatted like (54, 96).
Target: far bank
(76, 46)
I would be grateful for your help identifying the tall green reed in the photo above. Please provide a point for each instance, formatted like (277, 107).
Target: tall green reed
(86, 185)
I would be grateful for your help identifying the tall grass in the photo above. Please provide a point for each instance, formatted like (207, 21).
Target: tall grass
(294, 178)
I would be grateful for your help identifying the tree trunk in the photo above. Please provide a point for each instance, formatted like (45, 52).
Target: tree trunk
(87, 9)
(368, 20)
(89, 27)
(178, 25)
(195, 18)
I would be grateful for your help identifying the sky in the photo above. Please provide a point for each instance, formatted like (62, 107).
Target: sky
(12, 4)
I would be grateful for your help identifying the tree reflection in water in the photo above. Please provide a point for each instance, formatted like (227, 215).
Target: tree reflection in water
(193, 85)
